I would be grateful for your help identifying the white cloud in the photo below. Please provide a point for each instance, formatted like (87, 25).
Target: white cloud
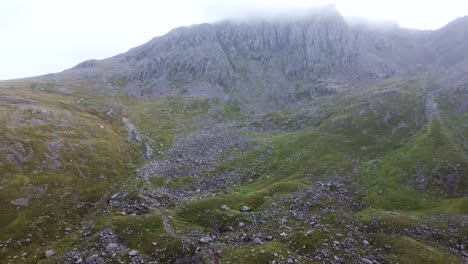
(51, 35)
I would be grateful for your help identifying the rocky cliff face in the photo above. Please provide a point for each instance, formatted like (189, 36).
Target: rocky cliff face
(235, 55)
(274, 60)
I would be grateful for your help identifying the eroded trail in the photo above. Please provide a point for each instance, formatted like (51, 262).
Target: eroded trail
(206, 251)
(166, 222)
(154, 205)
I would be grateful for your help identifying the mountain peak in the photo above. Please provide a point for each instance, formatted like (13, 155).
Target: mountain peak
(242, 54)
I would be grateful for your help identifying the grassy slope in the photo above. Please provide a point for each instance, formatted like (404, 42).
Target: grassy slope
(353, 136)
(93, 156)
(96, 159)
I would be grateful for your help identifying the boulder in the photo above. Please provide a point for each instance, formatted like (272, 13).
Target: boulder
(112, 247)
(49, 253)
(245, 209)
(205, 240)
(92, 258)
(225, 207)
(257, 241)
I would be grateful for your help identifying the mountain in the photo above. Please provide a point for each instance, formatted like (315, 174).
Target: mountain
(234, 57)
(302, 138)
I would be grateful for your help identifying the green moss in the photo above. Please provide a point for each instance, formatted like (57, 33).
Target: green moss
(391, 177)
(408, 250)
(232, 111)
(207, 213)
(157, 182)
(181, 182)
(252, 254)
(306, 244)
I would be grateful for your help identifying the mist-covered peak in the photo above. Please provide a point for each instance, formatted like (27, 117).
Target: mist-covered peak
(250, 59)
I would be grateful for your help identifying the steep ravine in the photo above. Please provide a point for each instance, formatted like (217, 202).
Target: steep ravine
(135, 135)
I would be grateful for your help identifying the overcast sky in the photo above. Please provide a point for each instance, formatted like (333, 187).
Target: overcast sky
(43, 36)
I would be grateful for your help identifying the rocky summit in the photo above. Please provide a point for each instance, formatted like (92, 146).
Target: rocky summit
(307, 137)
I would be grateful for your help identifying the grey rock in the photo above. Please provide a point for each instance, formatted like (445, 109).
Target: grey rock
(225, 207)
(112, 247)
(92, 258)
(49, 253)
(366, 261)
(23, 201)
(257, 241)
(245, 209)
(133, 253)
(245, 237)
(205, 240)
